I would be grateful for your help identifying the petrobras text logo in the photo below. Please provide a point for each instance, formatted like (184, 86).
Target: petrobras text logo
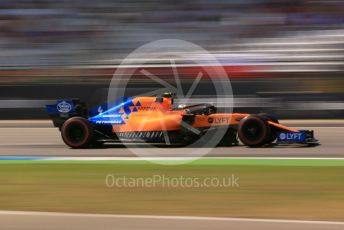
(111, 122)
(64, 107)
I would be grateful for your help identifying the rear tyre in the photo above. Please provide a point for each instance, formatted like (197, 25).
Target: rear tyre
(77, 132)
(254, 131)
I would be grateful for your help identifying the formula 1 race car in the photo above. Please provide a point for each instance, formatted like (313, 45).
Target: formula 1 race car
(152, 119)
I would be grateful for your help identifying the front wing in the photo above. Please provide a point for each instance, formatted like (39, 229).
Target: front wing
(302, 137)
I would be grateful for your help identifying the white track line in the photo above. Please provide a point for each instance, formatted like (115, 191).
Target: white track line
(61, 214)
(56, 158)
(185, 158)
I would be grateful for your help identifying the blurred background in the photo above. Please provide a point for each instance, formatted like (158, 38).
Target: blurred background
(285, 57)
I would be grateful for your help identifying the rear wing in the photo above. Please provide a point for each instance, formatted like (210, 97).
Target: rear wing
(64, 109)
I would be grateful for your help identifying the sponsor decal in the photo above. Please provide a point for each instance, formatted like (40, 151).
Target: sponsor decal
(145, 108)
(218, 120)
(282, 136)
(291, 136)
(119, 121)
(221, 120)
(144, 134)
(113, 115)
(116, 115)
(64, 107)
(100, 109)
(129, 107)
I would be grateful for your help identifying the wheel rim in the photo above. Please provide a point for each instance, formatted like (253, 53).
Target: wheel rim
(252, 130)
(76, 133)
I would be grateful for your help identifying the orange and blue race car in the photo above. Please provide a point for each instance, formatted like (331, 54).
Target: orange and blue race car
(155, 119)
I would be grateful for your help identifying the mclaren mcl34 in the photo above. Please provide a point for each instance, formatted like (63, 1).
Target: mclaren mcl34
(156, 119)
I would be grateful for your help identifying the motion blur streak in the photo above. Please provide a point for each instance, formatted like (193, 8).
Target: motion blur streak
(289, 50)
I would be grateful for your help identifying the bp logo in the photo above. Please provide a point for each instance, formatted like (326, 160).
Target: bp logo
(64, 107)
(282, 136)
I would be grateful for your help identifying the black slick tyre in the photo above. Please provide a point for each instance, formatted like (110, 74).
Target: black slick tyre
(77, 132)
(254, 131)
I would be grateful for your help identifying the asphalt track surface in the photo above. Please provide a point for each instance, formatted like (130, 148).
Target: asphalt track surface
(39, 138)
(61, 221)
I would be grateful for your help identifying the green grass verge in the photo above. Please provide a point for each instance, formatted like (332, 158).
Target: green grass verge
(297, 189)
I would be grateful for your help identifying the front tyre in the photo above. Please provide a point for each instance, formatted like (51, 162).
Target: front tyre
(254, 131)
(77, 132)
